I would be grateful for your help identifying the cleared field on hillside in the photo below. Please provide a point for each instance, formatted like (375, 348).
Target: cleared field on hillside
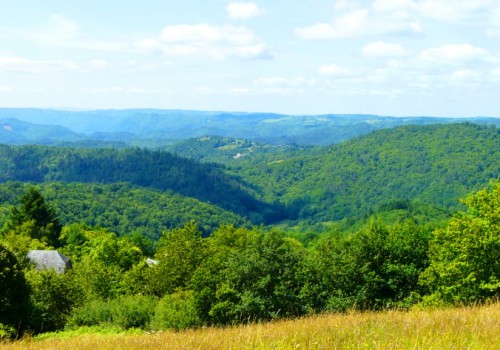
(458, 328)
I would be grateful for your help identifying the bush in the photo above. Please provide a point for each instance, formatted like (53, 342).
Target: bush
(125, 312)
(6, 332)
(52, 299)
(176, 311)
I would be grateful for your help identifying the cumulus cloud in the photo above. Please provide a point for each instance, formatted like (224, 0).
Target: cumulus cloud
(454, 53)
(215, 42)
(351, 19)
(334, 70)
(243, 10)
(383, 49)
(360, 22)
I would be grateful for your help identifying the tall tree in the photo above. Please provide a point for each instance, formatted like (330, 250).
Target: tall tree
(33, 208)
(14, 291)
(464, 256)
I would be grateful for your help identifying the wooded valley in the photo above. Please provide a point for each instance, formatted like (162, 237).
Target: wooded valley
(217, 230)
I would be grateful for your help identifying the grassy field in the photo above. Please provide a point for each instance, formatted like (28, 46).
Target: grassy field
(458, 328)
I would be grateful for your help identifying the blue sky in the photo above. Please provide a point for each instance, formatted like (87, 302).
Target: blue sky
(387, 57)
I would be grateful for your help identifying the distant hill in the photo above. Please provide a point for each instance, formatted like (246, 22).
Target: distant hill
(407, 167)
(140, 167)
(436, 164)
(16, 132)
(153, 124)
(231, 151)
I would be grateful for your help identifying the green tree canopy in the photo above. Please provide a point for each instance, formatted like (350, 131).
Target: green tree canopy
(465, 256)
(33, 208)
(14, 291)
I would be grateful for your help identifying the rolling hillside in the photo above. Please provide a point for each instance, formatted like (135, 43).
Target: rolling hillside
(403, 167)
(435, 164)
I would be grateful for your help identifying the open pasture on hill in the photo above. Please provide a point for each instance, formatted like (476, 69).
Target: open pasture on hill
(454, 328)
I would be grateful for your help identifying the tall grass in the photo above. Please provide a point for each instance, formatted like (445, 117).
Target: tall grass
(455, 328)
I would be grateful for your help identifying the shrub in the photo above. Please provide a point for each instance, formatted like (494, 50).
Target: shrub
(125, 312)
(176, 311)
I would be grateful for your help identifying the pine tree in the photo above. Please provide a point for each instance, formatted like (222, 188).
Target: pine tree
(33, 208)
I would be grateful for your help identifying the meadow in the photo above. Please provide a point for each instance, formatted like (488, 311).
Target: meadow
(476, 327)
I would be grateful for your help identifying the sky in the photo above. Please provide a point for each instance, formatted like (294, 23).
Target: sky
(385, 57)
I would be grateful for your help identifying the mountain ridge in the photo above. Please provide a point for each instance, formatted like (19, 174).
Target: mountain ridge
(153, 124)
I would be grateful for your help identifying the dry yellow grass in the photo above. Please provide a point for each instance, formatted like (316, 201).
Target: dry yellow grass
(459, 328)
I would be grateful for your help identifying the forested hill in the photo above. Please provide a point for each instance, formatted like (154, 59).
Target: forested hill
(435, 164)
(121, 208)
(400, 167)
(141, 167)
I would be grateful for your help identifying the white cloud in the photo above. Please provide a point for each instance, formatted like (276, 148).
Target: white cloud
(243, 10)
(440, 10)
(454, 53)
(284, 82)
(383, 49)
(394, 16)
(465, 75)
(5, 88)
(216, 42)
(26, 65)
(334, 71)
(493, 30)
(360, 22)
(98, 64)
(451, 10)
(149, 46)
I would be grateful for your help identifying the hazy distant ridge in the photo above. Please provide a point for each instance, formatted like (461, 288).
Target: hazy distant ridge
(152, 124)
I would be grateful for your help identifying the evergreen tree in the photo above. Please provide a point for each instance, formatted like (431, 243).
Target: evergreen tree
(33, 208)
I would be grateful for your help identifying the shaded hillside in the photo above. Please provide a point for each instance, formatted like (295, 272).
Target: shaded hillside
(146, 168)
(436, 164)
(122, 208)
(16, 132)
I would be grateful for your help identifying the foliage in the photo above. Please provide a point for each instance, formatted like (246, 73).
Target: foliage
(179, 253)
(44, 224)
(125, 312)
(374, 268)
(435, 165)
(123, 208)
(464, 264)
(101, 262)
(176, 311)
(248, 275)
(52, 298)
(141, 167)
(14, 293)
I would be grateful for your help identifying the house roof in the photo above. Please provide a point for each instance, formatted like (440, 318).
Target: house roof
(49, 259)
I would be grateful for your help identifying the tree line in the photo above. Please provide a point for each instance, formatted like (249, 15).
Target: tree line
(240, 274)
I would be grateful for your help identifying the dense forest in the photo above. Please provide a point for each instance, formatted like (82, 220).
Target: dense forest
(404, 167)
(221, 231)
(239, 275)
